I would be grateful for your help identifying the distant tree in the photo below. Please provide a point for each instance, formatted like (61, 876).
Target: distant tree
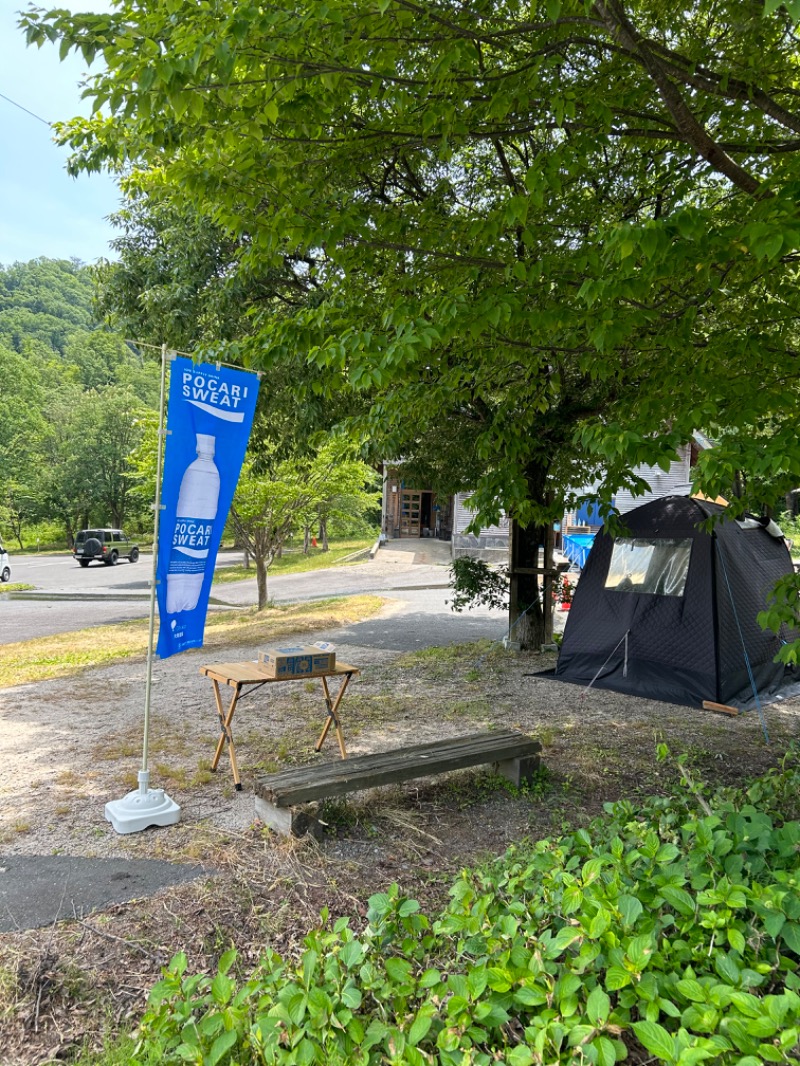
(20, 488)
(265, 509)
(21, 398)
(22, 429)
(349, 494)
(89, 476)
(116, 415)
(142, 461)
(18, 510)
(72, 394)
(272, 497)
(65, 462)
(99, 357)
(45, 299)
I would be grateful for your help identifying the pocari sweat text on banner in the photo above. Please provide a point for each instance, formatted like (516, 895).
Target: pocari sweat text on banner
(209, 419)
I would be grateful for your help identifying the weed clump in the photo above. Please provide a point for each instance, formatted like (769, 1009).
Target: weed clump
(667, 931)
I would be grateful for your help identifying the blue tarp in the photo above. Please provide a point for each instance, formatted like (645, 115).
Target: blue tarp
(576, 547)
(588, 514)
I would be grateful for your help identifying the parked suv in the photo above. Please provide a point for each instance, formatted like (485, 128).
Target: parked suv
(5, 568)
(105, 545)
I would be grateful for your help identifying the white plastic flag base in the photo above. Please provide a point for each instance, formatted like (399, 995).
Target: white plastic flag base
(142, 808)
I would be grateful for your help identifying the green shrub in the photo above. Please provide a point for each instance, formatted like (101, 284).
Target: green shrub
(477, 584)
(343, 526)
(790, 527)
(41, 536)
(667, 931)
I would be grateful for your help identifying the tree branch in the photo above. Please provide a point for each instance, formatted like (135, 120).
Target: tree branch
(696, 134)
(700, 77)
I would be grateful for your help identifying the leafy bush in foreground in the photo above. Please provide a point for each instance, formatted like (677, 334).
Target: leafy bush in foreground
(664, 933)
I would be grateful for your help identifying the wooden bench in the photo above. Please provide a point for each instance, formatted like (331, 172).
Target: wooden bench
(280, 796)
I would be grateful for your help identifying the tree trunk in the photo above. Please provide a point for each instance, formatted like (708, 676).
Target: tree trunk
(306, 538)
(530, 613)
(15, 521)
(550, 584)
(240, 542)
(526, 614)
(261, 581)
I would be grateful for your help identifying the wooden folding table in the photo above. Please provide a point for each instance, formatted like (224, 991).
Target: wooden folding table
(241, 675)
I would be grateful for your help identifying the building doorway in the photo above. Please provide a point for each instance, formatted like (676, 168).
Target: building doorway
(426, 515)
(410, 511)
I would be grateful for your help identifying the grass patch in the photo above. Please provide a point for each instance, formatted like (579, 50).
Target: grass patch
(437, 663)
(473, 709)
(293, 561)
(66, 654)
(447, 654)
(267, 754)
(117, 1049)
(16, 586)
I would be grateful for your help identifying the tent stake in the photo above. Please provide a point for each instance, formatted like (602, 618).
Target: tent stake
(724, 708)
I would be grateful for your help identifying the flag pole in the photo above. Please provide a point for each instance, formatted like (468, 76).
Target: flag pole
(147, 806)
(154, 570)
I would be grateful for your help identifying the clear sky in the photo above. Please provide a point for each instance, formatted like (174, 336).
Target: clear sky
(43, 211)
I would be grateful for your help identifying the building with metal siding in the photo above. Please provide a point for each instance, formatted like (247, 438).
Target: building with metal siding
(490, 544)
(409, 511)
(673, 482)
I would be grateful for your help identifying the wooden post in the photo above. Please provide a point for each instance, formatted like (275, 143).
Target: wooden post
(548, 585)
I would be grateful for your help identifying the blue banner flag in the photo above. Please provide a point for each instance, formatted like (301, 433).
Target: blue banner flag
(209, 419)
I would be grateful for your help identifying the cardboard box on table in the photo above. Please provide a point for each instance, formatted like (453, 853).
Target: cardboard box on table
(299, 660)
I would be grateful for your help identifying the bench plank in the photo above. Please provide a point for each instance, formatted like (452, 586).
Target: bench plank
(306, 783)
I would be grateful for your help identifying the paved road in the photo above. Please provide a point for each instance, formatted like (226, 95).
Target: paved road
(60, 573)
(24, 618)
(37, 890)
(69, 597)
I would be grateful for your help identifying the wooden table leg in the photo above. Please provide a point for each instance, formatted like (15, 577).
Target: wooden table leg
(226, 735)
(333, 715)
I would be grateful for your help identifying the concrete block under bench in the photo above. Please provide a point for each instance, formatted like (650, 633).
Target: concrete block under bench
(278, 796)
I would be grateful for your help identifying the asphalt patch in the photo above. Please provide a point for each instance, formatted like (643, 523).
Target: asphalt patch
(37, 890)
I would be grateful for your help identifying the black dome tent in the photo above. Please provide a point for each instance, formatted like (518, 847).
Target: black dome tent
(668, 611)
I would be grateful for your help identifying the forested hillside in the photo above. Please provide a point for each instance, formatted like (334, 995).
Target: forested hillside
(74, 400)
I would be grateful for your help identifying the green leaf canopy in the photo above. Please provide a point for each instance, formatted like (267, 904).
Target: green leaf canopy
(567, 232)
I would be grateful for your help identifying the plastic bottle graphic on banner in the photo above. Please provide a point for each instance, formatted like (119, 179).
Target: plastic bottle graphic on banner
(209, 418)
(194, 523)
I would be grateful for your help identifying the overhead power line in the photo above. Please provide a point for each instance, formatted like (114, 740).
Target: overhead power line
(25, 109)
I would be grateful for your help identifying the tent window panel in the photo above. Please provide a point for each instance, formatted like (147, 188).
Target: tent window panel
(656, 566)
